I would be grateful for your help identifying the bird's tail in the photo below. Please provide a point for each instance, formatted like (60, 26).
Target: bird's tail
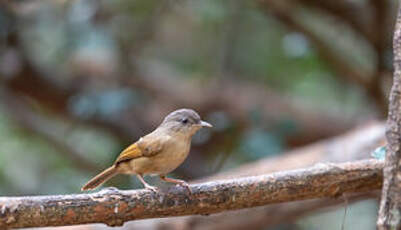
(100, 178)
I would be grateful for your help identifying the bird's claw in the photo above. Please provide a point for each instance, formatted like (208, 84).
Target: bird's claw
(152, 188)
(186, 185)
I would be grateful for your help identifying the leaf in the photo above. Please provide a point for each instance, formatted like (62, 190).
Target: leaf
(379, 153)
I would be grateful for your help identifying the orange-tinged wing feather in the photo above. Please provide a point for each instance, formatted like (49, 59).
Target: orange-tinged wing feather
(144, 147)
(131, 152)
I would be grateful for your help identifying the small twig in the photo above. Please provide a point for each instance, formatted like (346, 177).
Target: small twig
(345, 211)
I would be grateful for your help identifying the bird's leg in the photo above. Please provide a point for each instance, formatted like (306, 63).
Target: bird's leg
(148, 186)
(176, 181)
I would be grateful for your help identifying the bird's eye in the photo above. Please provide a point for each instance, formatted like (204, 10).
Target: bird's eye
(184, 120)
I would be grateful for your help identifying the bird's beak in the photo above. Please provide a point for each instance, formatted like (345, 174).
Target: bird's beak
(205, 124)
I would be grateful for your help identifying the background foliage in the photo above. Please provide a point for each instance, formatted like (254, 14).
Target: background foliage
(81, 79)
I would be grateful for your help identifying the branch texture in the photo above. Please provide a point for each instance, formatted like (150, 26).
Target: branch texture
(390, 206)
(114, 207)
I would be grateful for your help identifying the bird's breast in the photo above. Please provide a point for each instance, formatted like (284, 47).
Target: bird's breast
(172, 155)
(170, 159)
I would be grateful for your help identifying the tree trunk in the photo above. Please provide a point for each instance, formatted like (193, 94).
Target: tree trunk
(390, 206)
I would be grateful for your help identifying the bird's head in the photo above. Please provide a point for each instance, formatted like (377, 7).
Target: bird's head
(184, 121)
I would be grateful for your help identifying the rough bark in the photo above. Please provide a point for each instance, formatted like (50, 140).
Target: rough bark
(390, 206)
(260, 218)
(115, 207)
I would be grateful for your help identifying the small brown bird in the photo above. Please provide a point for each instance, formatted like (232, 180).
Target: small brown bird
(157, 153)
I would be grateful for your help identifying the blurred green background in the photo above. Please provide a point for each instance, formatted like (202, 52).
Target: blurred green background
(82, 79)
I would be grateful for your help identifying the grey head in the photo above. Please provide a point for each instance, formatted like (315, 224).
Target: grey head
(186, 121)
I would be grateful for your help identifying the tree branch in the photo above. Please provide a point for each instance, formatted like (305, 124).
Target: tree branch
(115, 207)
(265, 217)
(390, 206)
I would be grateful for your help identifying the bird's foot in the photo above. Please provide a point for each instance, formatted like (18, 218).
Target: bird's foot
(177, 182)
(152, 188)
(186, 185)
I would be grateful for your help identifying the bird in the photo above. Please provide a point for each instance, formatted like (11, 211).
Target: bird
(158, 153)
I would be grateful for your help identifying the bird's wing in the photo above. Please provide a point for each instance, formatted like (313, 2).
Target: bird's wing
(144, 147)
